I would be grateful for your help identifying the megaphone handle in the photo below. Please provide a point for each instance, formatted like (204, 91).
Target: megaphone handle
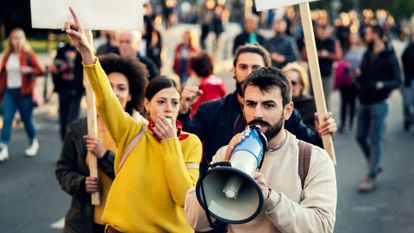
(205, 206)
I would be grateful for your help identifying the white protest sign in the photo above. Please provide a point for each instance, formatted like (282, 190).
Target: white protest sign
(273, 4)
(94, 14)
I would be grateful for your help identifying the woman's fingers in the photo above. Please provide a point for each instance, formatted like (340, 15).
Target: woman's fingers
(75, 18)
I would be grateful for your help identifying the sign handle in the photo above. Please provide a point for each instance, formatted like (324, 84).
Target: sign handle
(315, 74)
(92, 125)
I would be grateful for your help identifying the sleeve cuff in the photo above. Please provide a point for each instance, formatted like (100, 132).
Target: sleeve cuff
(90, 65)
(272, 201)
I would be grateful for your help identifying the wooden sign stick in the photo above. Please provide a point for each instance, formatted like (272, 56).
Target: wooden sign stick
(315, 74)
(92, 125)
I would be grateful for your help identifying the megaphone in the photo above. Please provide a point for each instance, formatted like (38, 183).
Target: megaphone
(228, 191)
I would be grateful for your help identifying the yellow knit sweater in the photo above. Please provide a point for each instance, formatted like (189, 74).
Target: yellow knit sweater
(148, 193)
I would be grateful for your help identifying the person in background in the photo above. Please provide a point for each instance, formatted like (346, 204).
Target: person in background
(379, 75)
(282, 48)
(182, 54)
(72, 166)
(152, 42)
(303, 102)
(329, 50)
(129, 42)
(18, 70)
(108, 43)
(249, 35)
(205, 18)
(162, 164)
(67, 74)
(348, 90)
(408, 65)
(210, 86)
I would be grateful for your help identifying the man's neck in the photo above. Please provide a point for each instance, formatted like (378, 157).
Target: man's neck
(378, 47)
(276, 141)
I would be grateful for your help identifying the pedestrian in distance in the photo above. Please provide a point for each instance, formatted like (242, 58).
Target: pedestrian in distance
(67, 74)
(182, 55)
(408, 65)
(379, 75)
(19, 68)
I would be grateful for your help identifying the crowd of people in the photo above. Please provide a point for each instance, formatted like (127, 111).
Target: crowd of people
(157, 133)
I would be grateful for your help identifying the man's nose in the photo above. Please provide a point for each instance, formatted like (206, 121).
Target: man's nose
(258, 112)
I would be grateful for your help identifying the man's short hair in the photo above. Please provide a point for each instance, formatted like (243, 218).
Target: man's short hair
(266, 78)
(377, 29)
(252, 48)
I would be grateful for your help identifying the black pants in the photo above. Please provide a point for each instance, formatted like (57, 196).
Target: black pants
(98, 228)
(69, 107)
(205, 29)
(348, 99)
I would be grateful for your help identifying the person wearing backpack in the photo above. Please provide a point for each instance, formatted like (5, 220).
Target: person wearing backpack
(290, 204)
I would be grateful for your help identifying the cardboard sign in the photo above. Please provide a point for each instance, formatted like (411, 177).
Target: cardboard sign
(273, 4)
(93, 14)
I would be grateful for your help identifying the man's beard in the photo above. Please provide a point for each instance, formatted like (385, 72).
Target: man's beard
(370, 45)
(239, 88)
(272, 130)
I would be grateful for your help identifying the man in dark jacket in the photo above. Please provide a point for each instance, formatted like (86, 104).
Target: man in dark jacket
(282, 48)
(249, 35)
(408, 65)
(380, 74)
(216, 122)
(67, 74)
(329, 50)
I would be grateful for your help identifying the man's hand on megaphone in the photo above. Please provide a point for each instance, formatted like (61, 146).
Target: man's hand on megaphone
(260, 180)
(232, 144)
(189, 96)
(327, 126)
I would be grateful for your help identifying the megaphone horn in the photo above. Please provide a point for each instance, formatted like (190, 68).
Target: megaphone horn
(228, 191)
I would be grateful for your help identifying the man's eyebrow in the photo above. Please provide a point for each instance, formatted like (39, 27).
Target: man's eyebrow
(269, 102)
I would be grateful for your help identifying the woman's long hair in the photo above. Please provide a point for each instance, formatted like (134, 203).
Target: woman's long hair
(9, 47)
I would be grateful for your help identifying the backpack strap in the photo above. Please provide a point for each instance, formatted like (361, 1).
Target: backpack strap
(130, 146)
(305, 153)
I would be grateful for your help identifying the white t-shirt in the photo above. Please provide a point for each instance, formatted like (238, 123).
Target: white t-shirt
(14, 79)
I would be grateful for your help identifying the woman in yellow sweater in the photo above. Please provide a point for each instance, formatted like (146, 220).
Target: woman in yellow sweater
(72, 166)
(149, 190)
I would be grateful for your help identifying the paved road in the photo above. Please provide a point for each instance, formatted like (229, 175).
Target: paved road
(31, 199)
